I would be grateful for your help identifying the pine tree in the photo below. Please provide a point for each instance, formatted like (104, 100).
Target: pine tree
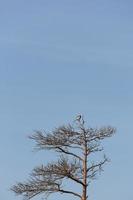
(74, 144)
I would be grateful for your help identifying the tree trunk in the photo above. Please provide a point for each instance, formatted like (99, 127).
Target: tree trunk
(84, 194)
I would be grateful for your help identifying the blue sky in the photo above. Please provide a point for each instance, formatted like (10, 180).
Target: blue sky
(59, 58)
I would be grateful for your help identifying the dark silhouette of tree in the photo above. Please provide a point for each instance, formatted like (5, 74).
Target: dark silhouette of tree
(74, 143)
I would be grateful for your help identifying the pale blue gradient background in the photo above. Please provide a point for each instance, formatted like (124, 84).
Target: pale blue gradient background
(59, 58)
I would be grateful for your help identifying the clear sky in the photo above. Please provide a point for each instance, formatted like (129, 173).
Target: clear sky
(59, 58)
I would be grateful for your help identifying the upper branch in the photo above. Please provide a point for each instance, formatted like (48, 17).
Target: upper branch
(64, 136)
(69, 153)
(100, 134)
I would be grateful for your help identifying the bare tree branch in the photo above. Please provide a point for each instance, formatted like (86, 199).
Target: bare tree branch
(69, 153)
(99, 134)
(70, 192)
(96, 168)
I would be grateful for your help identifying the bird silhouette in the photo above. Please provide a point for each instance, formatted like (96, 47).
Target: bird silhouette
(78, 118)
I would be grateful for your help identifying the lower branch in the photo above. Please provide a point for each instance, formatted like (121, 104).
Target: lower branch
(70, 192)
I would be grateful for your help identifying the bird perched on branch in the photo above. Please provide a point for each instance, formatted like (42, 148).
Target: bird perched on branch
(79, 119)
